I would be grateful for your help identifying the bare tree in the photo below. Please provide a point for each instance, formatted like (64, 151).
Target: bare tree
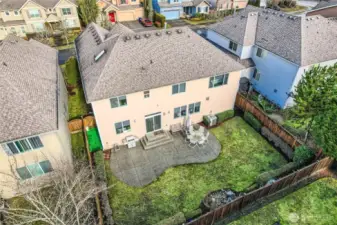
(67, 198)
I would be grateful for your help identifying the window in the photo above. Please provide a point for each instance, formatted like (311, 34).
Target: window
(38, 27)
(199, 10)
(70, 23)
(206, 9)
(22, 145)
(7, 13)
(233, 46)
(34, 170)
(146, 94)
(122, 127)
(66, 11)
(13, 31)
(133, 0)
(175, 0)
(178, 88)
(123, 1)
(194, 108)
(261, 53)
(34, 13)
(256, 74)
(23, 30)
(16, 13)
(217, 81)
(118, 101)
(180, 111)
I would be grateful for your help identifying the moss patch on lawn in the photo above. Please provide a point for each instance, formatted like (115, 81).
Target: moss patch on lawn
(76, 100)
(245, 154)
(78, 146)
(314, 204)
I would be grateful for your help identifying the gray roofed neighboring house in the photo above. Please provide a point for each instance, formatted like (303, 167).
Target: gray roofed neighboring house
(17, 4)
(300, 40)
(325, 4)
(128, 62)
(28, 88)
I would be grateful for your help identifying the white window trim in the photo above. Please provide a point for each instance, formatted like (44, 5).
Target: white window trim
(124, 130)
(31, 147)
(178, 88)
(17, 12)
(223, 83)
(33, 177)
(146, 94)
(7, 13)
(119, 105)
(186, 106)
(194, 112)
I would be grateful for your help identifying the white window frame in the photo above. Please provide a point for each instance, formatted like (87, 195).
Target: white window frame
(233, 44)
(179, 116)
(39, 167)
(146, 94)
(193, 104)
(119, 101)
(68, 13)
(179, 91)
(18, 150)
(256, 75)
(7, 13)
(224, 82)
(123, 129)
(38, 15)
(16, 13)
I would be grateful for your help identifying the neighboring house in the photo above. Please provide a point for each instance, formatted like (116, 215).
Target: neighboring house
(282, 47)
(325, 9)
(174, 9)
(119, 10)
(139, 83)
(19, 17)
(34, 136)
(228, 4)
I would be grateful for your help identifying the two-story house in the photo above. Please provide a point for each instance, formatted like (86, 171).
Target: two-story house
(174, 9)
(228, 4)
(139, 83)
(119, 10)
(30, 16)
(282, 47)
(34, 136)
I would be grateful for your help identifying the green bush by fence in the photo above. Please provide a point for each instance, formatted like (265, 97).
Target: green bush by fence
(303, 154)
(160, 18)
(193, 214)
(263, 178)
(255, 123)
(178, 218)
(99, 166)
(224, 115)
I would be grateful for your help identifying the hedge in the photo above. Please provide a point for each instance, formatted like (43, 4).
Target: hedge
(193, 214)
(99, 166)
(263, 178)
(224, 115)
(303, 154)
(178, 218)
(255, 123)
(160, 18)
(206, 121)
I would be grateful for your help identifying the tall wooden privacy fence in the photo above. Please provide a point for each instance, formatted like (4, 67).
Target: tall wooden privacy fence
(243, 103)
(76, 125)
(241, 202)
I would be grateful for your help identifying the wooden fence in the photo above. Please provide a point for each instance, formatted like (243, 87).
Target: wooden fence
(246, 105)
(239, 203)
(76, 125)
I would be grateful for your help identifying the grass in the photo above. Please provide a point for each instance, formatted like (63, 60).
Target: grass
(245, 154)
(294, 9)
(206, 21)
(314, 204)
(76, 99)
(78, 147)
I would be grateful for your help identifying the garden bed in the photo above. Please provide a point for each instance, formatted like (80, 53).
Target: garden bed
(313, 204)
(245, 154)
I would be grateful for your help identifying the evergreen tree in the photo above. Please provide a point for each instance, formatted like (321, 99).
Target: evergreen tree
(88, 11)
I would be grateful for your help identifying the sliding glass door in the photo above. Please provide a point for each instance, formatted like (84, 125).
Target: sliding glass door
(153, 122)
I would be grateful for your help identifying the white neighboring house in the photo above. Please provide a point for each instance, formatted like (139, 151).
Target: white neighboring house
(281, 46)
(34, 136)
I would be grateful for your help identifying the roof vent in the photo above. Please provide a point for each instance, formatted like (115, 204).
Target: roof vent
(266, 17)
(137, 36)
(5, 64)
(127, 38)
(179, 31)
(147, 35)
(158, 34)
(317, 17)
(274, 13)
(281, 15)
(168, 32)
(97, 57)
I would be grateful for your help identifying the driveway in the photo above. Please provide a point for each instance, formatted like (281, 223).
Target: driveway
(137, 27)
(138, 167)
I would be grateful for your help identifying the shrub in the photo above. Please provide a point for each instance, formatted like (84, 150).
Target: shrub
(193, 214)
(160, 18)
(196, 19)
(224, 115)
(255, 123)
(206, 121)
(178, 218)
(263, 178)
(303, 154)
(99, 166)
(157, 24)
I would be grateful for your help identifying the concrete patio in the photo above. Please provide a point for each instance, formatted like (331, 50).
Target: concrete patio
(138, 167)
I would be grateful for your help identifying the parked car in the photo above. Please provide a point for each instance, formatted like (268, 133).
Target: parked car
(145, 22)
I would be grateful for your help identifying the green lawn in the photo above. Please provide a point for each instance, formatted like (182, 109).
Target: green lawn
(314, 204)
(76, 100)
(78, 147)
(294, 9)
(245, 154)
(201, 22)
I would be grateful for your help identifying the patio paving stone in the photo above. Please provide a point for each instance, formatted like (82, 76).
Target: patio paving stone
(137, 167)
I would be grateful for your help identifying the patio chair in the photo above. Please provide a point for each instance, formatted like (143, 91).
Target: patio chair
(193, 143)
(188, 138)
(201, 143)
(205, 138)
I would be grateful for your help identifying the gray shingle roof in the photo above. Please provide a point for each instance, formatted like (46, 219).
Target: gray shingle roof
(28, 88)
(158, 60)
(17, 4)
(325, 4)
(301, 40)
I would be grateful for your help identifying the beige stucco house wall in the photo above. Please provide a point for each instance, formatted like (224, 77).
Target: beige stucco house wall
(161, 100)
(56, 148)
(22, 23)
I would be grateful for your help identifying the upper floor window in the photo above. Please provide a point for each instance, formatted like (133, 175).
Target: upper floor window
(118, 101)
(66, 11)
(146, 94)
(194, 108)
(256, 74)
(7, 13)
(122, 127)
(261, 53)
(217, 81)
(123, 2)
(34, 13)
(133, 0)
(34, 170)
(233, 46)
(16, 13)
(178, 88)
(23, 145)
(180, 111)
